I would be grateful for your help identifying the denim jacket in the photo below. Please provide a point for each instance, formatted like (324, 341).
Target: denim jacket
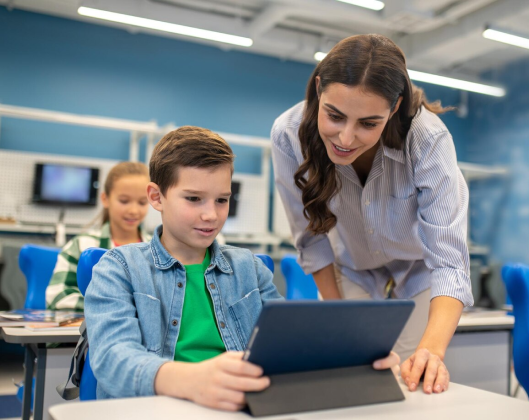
(134, 303)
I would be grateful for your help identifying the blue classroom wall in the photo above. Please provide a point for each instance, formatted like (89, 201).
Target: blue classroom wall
(499, 135)
(70, 66)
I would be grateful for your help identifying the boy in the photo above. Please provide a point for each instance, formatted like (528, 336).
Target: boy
(154, 325)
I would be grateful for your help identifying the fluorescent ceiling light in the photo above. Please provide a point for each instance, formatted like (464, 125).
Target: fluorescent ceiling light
(368, 4)
(165, 26)
(506, 38)
(319, 56)
(445, 81)
(456, 83)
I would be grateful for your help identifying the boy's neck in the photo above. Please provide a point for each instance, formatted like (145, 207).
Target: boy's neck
(186, 255)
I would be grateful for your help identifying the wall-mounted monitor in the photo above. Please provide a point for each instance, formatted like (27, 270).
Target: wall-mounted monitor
(234, 198)
(65, 185)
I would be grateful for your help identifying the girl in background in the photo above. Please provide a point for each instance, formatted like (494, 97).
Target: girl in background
(125, 206)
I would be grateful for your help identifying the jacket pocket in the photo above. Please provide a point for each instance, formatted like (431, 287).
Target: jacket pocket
(149, 317)
(244, 313)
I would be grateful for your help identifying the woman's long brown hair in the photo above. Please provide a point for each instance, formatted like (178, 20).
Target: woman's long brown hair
(378, 65)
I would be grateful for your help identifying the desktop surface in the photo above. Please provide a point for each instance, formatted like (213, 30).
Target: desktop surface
(459, 402)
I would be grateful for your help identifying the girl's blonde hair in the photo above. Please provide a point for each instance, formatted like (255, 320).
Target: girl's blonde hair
(119, 171)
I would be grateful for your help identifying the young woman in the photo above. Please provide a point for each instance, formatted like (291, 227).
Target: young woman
(125, 205)
(368, 176)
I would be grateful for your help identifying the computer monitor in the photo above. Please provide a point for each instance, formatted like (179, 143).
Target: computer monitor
(234, 198)
(61, 184)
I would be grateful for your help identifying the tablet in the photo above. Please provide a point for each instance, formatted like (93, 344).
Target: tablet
(298, 336)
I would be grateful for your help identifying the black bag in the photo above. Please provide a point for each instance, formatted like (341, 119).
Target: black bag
(76, 367)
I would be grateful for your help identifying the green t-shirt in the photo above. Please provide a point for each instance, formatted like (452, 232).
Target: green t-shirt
(199, 338)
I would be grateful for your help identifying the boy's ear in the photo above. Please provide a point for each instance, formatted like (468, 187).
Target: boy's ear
(154, 196)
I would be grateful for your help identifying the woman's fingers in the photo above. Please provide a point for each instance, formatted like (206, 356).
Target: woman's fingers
(390, 361)
(422, 362)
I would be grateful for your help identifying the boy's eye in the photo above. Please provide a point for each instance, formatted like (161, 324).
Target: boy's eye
(193, 199)
(123, 201)
(222, 200)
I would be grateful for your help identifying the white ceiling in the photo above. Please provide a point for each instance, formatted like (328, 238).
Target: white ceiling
(441, 36)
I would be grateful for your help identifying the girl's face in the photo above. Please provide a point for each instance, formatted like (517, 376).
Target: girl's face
(351, 121)
(127, 204)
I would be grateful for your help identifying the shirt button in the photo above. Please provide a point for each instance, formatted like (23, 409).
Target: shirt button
(370, 231)
(180, 284)
(368, 202)
(212, 285)
(377, 252)
(222, 324)
(175, 322)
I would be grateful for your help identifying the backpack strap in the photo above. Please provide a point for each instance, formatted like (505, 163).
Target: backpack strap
(76, 367)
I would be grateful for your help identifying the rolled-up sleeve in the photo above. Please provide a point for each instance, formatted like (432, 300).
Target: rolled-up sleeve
(314, 251)
(122, 365)
(442, 216)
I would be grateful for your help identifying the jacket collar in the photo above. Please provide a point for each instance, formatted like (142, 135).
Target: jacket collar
(163, 260)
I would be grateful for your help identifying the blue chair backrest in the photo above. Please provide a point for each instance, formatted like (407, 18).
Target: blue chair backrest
(299, 285)
(37, 263)
(87, 260)
(268, 261)
(516, 279)
(89, 257)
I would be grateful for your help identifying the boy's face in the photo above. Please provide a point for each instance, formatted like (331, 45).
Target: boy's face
(193, 211)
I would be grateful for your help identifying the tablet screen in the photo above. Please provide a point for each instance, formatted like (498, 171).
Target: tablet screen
(296, 336)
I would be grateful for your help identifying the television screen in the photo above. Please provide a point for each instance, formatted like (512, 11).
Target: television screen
(234, 198)
(65, 184)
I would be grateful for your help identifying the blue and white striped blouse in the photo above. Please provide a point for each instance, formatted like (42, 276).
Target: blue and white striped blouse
(408, 222)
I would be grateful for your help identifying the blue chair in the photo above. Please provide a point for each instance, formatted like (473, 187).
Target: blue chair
(267, 260)
(37, 263)
(516, 279)
(300, 286)
(87, 260)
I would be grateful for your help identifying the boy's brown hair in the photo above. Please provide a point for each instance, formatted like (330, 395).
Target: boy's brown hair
(187, 146)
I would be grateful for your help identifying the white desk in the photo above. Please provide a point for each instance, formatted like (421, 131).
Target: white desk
(459, 402)
(480, 353)
(52, 366)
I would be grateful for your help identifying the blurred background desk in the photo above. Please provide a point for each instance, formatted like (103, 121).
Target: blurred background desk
(52, 365)
(480, 353)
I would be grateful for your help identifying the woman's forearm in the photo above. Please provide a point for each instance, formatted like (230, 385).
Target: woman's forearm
(442, 322)
(326, 282)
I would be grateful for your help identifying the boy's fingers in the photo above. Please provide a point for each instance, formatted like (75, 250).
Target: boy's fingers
(241, 368)
(226, 406)
(246, 384)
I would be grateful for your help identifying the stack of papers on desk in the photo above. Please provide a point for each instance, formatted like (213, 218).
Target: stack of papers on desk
(38, 319)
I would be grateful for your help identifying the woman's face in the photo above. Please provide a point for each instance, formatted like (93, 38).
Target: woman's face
(351, 121)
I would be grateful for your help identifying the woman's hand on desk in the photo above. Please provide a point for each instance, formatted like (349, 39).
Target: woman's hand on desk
(436, 376)
(217, 383)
